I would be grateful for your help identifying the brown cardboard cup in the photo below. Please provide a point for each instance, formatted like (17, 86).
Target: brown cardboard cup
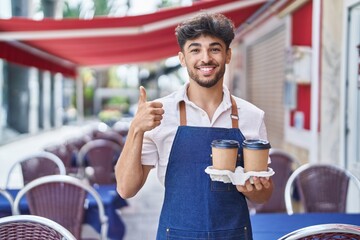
(256, 154)
(224, 154)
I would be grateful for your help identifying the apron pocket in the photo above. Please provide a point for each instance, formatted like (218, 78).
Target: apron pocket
(222, 187)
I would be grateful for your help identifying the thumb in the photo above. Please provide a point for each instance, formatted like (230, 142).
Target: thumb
(142, 97)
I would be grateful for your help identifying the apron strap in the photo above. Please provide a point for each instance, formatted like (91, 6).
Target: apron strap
(234, 113)
(182, 113)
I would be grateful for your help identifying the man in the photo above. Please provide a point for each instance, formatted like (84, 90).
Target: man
(174, 134)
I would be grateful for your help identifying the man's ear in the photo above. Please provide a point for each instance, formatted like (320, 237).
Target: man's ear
(182, 59)
(228, 56)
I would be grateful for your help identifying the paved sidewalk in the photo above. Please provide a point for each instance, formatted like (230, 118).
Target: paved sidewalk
(142, 215)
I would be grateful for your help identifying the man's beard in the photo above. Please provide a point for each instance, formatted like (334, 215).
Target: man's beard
(207, 83)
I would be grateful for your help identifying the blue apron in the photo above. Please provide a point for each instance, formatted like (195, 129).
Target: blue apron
(194, 206)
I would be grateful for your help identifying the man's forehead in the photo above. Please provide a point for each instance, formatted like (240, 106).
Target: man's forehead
(204, 40)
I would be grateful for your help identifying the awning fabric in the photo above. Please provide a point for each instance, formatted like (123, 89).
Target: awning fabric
(63, 45)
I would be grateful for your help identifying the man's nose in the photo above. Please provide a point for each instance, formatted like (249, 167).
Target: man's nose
(206, 57)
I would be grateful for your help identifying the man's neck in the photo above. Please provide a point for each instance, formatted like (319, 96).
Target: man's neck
(207, 99)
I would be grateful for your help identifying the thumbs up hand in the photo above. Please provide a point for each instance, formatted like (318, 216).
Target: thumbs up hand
(149, 114)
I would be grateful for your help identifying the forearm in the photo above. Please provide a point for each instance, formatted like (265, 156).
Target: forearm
(129, 172)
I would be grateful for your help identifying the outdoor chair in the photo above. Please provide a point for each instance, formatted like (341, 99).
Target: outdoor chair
(321, 187)
(62, 199)
(110, 135)
(37, 165)
(97, 158)
(29, 227)
(325, 231)
(7, 196)
(121, 128)
(283, 165)
(66, 156)
(73, 145)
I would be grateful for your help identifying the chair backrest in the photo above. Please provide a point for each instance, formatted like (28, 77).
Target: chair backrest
(37, 165)
(121, 127)
(325, 231)
(5, 194)
(32, 227)
(101, 156)
(67, 155)
(283, 165)
(321, 187)
(62, 199)
(73, 145)
(110, 135)
(62, 152)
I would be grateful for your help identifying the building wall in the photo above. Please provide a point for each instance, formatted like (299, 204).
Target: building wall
(328, 127)
(297, 32)
(331, 45)
(265, 77)
(301, 36)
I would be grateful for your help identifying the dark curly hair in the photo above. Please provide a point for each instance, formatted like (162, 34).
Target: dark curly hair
(216, 25)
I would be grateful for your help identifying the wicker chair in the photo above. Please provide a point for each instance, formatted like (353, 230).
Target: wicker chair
(121, 128)
(37, 165)
(73, 146)
(325, 231)
(110, 135)
(322, 188)
(66, 156)
(100, 157)
(29, 227)
(62, 199)
(5, 194)
(283, 164)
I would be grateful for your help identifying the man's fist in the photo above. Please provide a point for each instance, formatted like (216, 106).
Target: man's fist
(149, 114)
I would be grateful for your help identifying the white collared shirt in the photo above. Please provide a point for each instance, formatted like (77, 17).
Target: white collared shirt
(158, 142)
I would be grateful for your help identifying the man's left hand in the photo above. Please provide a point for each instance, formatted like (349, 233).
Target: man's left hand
(259, 183)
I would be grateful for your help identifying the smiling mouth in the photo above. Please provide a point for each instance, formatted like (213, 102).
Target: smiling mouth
(206, 69)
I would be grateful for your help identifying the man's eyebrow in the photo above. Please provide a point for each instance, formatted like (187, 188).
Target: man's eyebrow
(195, 44)
(216, 44)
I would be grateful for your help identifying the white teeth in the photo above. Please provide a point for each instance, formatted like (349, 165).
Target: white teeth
(206, 69)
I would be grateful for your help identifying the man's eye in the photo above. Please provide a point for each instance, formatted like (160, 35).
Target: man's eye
(194, 50)
(215, 50)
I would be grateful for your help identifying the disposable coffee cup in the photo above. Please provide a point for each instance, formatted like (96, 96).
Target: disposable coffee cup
(224, 154)
(256, 154)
